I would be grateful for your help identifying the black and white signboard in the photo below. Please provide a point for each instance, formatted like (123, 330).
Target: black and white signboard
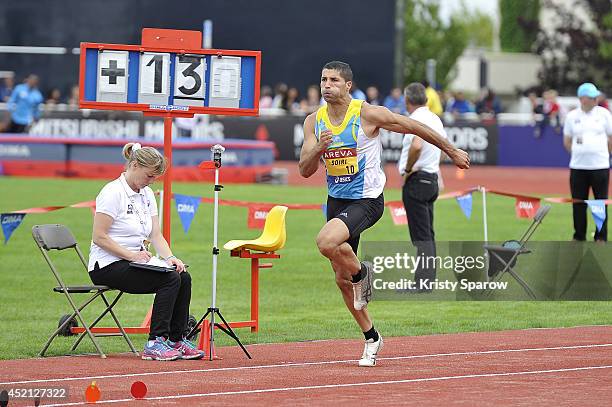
(112, 76)
(154, 84)
(189, 80)
(225, 82)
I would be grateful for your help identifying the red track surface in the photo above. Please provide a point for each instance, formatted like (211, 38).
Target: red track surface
(545, 181)
(537, 367)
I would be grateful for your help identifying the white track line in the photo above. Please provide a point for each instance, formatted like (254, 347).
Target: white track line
(222, 369)
(331, 386)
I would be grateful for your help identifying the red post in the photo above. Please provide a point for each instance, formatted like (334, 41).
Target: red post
(167, 176)
(255, 294)
(204, 335)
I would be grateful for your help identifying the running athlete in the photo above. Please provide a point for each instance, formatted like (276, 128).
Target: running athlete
(344, 134)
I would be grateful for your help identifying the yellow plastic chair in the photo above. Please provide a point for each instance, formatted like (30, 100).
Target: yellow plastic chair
(273, 237)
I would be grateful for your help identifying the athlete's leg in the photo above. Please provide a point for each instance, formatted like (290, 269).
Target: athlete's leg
(332, 243)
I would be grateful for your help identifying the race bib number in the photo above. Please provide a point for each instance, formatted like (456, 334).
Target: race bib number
(341, 162)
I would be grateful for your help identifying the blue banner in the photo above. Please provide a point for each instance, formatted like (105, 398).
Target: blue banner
(598, 210)
(465, 203)
(186, 206)
(10, 222)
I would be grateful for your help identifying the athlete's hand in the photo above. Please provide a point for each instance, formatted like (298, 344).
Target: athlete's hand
(325, 139)
(460, 158)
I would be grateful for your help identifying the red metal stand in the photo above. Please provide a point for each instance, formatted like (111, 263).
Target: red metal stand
(253, 323)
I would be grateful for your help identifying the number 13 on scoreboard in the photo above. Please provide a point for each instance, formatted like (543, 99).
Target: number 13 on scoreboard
(189, 76)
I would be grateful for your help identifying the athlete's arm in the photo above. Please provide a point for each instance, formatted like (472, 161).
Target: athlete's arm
(381, 117)
(312, 150)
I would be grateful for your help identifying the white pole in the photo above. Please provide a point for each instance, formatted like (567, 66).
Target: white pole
(484, 213)
(215, 223)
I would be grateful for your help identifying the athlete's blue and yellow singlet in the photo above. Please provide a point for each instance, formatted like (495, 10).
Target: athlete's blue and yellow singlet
(352, 160)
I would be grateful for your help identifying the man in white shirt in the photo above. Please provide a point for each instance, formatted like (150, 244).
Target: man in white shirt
(419, 164)
(588, 138)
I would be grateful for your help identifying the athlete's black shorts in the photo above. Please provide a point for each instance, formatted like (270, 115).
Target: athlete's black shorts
(357, 214)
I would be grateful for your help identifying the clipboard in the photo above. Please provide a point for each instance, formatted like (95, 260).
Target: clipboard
(151, 267)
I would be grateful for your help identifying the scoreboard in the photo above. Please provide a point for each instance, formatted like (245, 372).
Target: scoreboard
(183, 80)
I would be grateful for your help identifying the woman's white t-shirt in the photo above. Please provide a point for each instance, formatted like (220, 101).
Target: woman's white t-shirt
(132, 223)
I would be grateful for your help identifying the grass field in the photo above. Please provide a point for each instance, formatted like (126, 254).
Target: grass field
(299, 299)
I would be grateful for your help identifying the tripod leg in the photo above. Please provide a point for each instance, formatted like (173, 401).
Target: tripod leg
(231, 333)
(195, 329)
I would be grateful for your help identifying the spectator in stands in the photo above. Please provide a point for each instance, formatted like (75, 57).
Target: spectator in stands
(312, 101)
(6, 88)
(291, 103)
(24, 105)
(460, 105)
(433, 100)
(265, 101)
(280, 95)
(449, 99)
(73, 99)
(395, 101)
(488, 105)
(373, 96)
(54, 97)
(537, 108)
(552, 110)
(357, 93)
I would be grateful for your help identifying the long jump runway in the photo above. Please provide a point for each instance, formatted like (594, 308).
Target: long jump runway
(543, 367)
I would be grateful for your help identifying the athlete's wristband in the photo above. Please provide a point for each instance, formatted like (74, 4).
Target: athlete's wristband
(170, 257)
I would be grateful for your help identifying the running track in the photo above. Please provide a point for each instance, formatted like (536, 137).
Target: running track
(535, 367)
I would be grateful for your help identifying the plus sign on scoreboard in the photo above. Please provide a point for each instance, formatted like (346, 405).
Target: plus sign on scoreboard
(173, 77)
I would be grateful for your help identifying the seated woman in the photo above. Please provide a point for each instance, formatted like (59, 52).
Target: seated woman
(125, 220)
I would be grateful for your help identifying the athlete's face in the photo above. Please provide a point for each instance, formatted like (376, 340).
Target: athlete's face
(333, 86)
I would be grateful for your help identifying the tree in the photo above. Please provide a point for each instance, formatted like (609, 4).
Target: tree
(427, 37)
(577, 51)
(519, 24)
(478, 27)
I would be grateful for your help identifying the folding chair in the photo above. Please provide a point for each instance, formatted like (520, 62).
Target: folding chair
(59, 237)
(503, 258)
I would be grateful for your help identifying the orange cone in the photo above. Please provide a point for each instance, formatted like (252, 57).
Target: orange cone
(92, 393)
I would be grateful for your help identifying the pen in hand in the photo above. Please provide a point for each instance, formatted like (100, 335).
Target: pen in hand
(142, 255)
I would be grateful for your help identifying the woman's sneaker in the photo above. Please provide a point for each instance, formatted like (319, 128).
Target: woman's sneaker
(159, 350)
(187, 349)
